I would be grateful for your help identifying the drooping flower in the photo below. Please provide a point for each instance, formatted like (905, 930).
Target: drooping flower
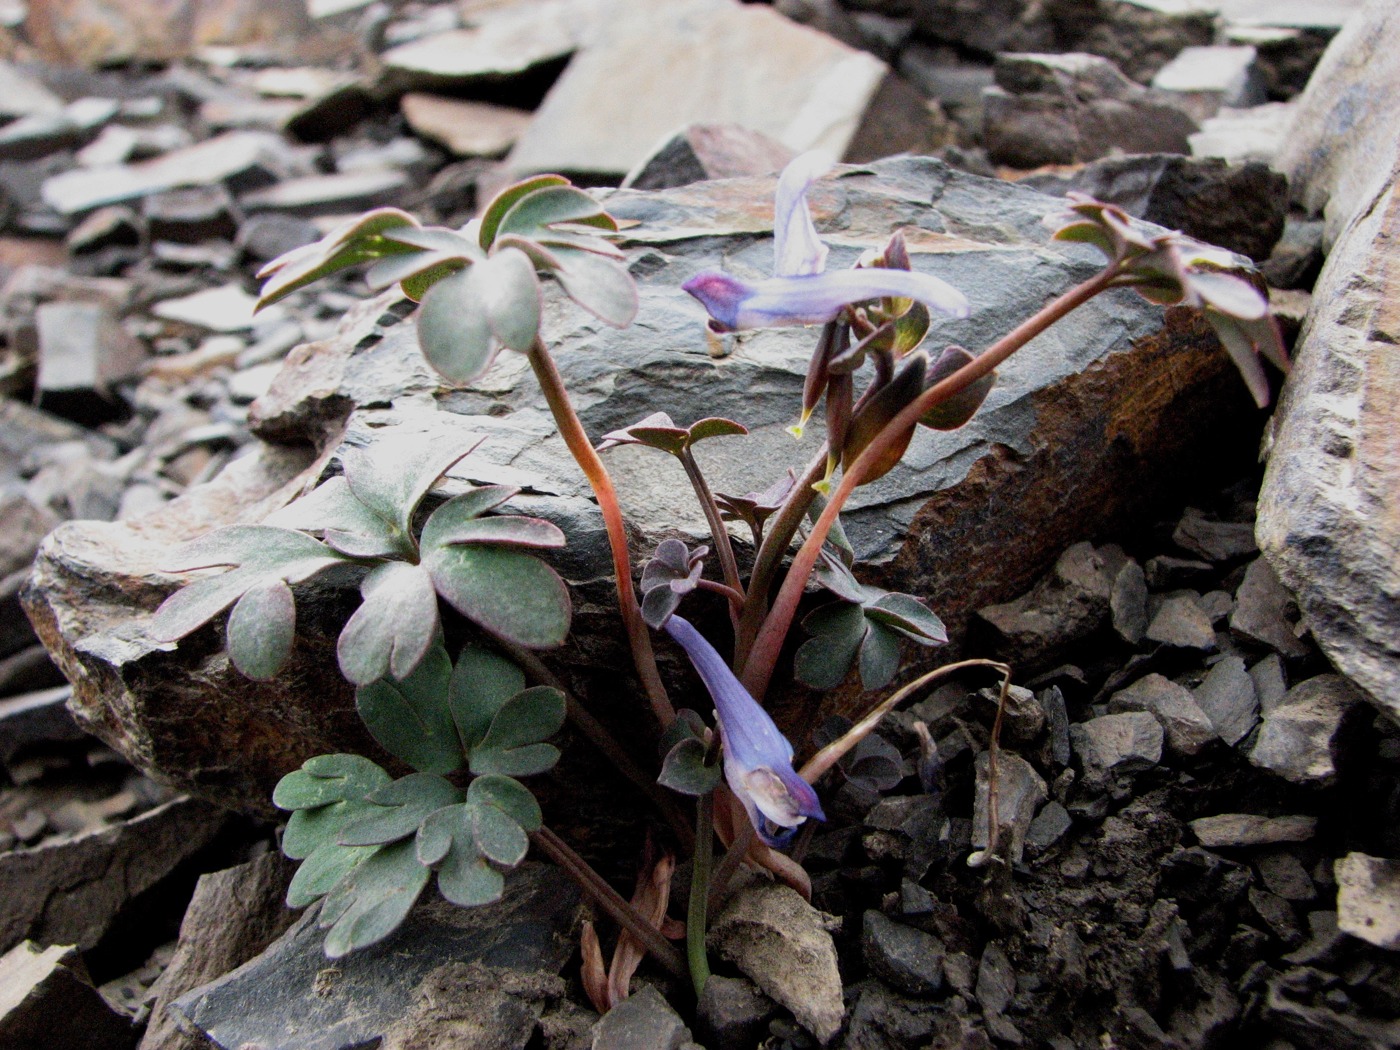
(757, 757)
(799, 292)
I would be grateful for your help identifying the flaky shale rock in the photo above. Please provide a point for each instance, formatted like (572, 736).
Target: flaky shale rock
(1329, 511)
(1091, 426)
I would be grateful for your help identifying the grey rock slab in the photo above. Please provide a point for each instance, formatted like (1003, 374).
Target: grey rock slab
(46, 999)
(39, 135)
(1121, 743)
(290, 998)
(699, 152)
(240, 159)
(1242, 207)
(1331, 492)
(463, 127)
(784, 945)
(1188, 728)
(1270, 682)
(1285, 876)
(226, 308)
(732, 1014)
(83, 353)
(908, 960)
(643, 1021)
(25, 95)
(233, 915)
(69, 890)
(338, 194)
(1033, 465)
(1241, 136)
(23, 525)
(36, 718)
(191, 215)
(1167, 573)
(1048, 827)
(1075, 107)
(1246, 829)
(506, 44)
(1182, 624)
(1298, 737)
(460, 1006)
(1342, 146)
(1368, 899)
(1228, 698)
(1127, 602)
(1214, 540)
(996, 980)
(1020, 791)
(1291, 14)
(1205, 78)
(662, 68)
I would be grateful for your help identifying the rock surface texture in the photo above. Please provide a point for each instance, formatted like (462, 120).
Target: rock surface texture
(1077, 418)
(1329, 512)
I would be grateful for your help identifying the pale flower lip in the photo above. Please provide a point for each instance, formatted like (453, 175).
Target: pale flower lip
(757, 757)
(800, 293)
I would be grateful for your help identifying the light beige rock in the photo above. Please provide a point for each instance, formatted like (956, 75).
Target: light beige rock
(1368, 899)
(466, 129)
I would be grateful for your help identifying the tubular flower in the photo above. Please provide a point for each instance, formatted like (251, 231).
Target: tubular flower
(800, 293)
(757, 757)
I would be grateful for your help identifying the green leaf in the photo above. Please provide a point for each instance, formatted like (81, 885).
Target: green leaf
(326, 779)
(714, 426)
(684, 769)
(435, 834)
(509, 291)
(1087, 233)
(391, 631)
(261, 629)
(347, 524)
(419, 271)
(358, 241)
(509, 796)
(907, 615)
(535, 212)
(466, 878)
(879, 656)
(481, 683)
(601, 286)
(412, 718)
(511, 746)
(1230, 295)
(453, 330)
(398, 809)
(257, 553)
(955, 411)
(309, 829)
(322, 869)
(510, 529)
(497, 836)
(838, 630)
(508, 593)
(371, 901)
(444, 521)
(393, 474)
(503, 202)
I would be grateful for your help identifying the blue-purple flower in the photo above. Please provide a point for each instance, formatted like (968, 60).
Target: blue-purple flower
(799, 292)
(757, 757)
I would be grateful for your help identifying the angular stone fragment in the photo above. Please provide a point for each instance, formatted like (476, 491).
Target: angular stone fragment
(23, 526)
(1341, 149)
(1331, 496)
(732, 1014)
(64, 891)
(464, 128)
(1242, 207)
(83, 353)
(699, 152)
(1246, 829)
(46, 999)
(1122, 743)
(1069, 108)
(233, 915)
(643, 1021)
(666, 68)
(1299, 734)
(288, 998)
(1020, 791)
(1019, 486)
(1243, 136)
(339, 194)
(241, 159)
(1127, 602)
(227, 308)
(1266, 613)
(1214, 540)
(1368, 899)
(1182, 624)
(1188, 728)
(78, 123)
(1227, 697)
(1206, 78)
(906, 959)
(783, 944)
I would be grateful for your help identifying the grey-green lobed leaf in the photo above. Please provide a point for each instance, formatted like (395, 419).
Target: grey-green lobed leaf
(393, 474)
(392, 629)
(345, 523)
(512, 745)
(503, 590)
(357, 241)
(326, 779)
(453, 330)
(482, 681)
(372, 900)
(684, 769)
(322, 869)
(412, 719)
(261, 629)
(398, 809)
(837, 632)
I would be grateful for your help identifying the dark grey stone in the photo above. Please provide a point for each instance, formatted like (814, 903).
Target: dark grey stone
(83, 353)
(191, 215)
(1182, 624)
(1299, 736)
(732, 1014)
(1266, 613)
(1048, 827)
(1020, 791)
(291, 998)
(708, 151)
(1298, 256)
(1127, 602)
(996, 980)
(1214, 540)
(36, 718)
(46, 1000)
(1166, 573)
(1188, 728)
(884, 1020)
(1053, 701)
(1227, 697)
(1122, 743)
(908, 960)
(1270, 682)
(1284, 875)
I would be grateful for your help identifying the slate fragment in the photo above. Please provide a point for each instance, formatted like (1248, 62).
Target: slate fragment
(46, 999)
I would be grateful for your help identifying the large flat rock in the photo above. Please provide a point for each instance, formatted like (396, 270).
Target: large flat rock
(1091, 426)
(1329, 512)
